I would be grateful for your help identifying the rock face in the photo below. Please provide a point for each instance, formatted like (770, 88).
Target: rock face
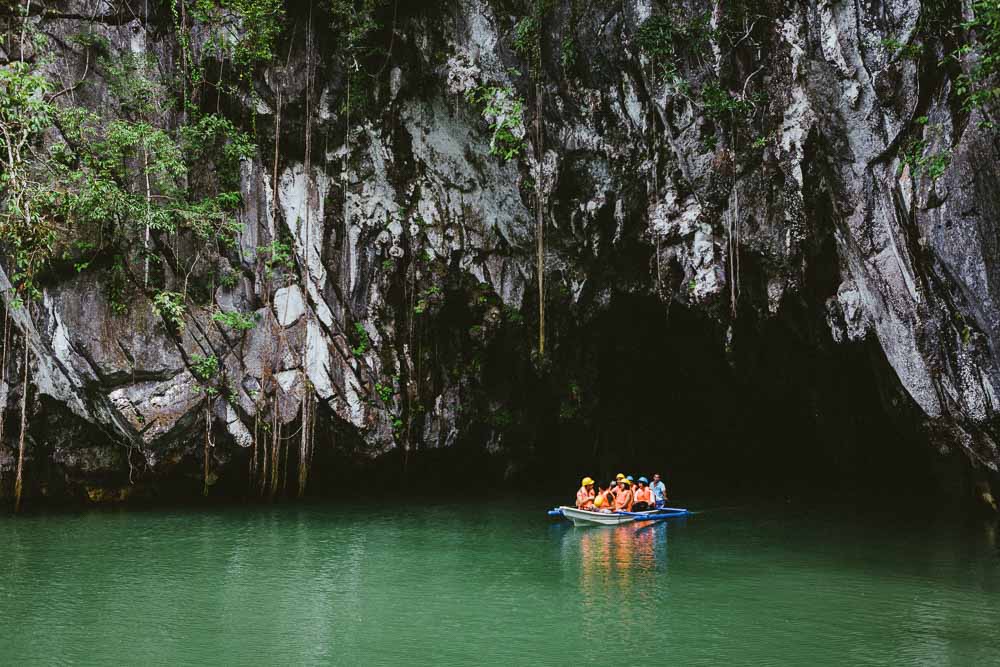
(405, 316)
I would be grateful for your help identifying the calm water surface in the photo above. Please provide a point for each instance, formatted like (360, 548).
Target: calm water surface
(496, 582)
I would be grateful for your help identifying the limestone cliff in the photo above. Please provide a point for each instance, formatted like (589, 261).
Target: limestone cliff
(739, 167)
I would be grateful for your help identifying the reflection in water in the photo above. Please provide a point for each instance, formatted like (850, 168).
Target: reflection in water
(619, 562)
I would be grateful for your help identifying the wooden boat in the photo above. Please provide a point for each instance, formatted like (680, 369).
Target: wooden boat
(589, 518)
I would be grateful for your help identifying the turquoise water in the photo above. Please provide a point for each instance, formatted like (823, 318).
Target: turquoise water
(496, 581)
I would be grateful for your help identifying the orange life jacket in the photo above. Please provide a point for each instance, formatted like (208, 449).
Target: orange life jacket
(584, 497)
(623, 501)
(644, 495)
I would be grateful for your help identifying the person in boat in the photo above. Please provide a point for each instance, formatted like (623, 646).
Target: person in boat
(643, 500)
(659, 490)
(585, 496)
(623, 499)
(605, 499)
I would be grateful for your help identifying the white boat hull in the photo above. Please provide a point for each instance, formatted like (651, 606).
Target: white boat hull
(588, 518)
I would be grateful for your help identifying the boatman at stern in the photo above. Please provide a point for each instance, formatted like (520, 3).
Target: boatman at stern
(585, 496)
(659, 490)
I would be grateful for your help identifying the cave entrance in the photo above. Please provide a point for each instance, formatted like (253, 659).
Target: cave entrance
(779, 412)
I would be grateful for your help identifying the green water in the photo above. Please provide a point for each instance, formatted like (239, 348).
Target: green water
(496, 582)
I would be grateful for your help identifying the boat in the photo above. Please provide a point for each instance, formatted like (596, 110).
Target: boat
(588, 518)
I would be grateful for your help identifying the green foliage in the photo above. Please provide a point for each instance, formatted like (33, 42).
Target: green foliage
(526, 35)
(276, 255)
(25, 228)
(204, 368)
(513, 315)
(979, 86)
(567, 53)
(900, 49)
(355, 20)
(91, 40)
(527, 40)
(260, 26)
(363, 341)
(116, 285)
(933, 164)
(98, 174)
(235, 320)
(385, 391)
(503, 109)
(245, 31)
(676, 43)
(719, 103)
(229, 279)
(214, 138)
(131, 78)
(664, 38)
(424, 299)
(170, 306)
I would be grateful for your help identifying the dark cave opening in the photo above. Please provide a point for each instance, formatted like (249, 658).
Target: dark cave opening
(773, 413)
(777, 414)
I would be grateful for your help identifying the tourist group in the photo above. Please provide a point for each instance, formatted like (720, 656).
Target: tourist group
(620, 496)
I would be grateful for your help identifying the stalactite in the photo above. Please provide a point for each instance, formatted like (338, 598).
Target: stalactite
(19, 480)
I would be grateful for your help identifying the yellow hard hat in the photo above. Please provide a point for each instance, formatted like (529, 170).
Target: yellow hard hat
(625, 481)
(620, 476)
(587, 481)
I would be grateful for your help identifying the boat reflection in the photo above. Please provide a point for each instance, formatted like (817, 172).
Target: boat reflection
(619, 561)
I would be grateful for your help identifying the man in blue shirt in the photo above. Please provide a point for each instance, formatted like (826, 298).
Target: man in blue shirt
(659, 490)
